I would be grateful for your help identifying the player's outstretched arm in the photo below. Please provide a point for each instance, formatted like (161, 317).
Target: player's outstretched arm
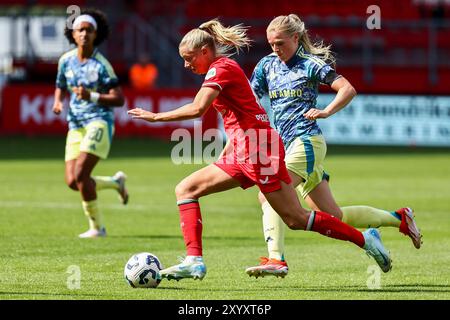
(195, 109)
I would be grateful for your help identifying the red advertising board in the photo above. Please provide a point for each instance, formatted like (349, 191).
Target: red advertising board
(27, 109)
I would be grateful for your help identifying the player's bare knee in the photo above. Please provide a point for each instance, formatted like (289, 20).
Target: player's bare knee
(179, 191)
(293, 221)
(80, 178)
(82, 175)
(185, 190)
(295, 224)
(72, 183)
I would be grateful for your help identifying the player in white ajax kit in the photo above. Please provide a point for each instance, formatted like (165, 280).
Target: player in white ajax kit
(94, 90)
(290, 77)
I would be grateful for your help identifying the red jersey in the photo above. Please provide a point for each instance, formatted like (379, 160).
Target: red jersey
(236, 102)
(257, 152)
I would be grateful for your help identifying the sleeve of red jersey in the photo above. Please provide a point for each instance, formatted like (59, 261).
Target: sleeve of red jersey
(217, 77)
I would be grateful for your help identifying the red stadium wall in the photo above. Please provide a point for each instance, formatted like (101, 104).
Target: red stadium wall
(27, 110)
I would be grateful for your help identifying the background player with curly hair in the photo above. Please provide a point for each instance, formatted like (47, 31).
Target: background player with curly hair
(94, 89)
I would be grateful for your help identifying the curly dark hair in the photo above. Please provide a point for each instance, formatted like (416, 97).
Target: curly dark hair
(102, 27)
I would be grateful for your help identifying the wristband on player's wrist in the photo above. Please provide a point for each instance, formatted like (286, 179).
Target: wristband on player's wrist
(94, 96)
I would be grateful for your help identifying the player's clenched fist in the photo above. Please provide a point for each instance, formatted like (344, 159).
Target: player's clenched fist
(57, 107)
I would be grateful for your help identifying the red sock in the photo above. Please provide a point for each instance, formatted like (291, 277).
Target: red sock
(332, 227)
(191, 226)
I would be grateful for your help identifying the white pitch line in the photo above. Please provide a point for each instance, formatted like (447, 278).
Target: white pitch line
(77, 206)
(64, 205)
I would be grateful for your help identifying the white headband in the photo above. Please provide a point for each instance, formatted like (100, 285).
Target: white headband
(84, 18)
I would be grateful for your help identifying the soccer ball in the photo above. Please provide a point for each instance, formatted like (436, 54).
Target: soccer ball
(142, 270)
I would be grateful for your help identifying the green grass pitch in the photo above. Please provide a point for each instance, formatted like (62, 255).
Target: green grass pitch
(40, 219)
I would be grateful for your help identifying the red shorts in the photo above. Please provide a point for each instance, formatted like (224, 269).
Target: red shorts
(256, 159)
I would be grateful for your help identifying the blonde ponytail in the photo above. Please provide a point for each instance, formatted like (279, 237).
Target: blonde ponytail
(292, 24)
(222, 39)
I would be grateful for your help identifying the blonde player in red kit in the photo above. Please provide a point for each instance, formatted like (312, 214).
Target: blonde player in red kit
(254, 154)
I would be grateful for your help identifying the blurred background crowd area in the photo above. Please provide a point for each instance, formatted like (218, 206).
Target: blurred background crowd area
(409, 54)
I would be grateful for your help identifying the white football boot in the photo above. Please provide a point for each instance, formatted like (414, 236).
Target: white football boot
(93, 233)
(374, 248)
(121, 177)
(190, 267)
